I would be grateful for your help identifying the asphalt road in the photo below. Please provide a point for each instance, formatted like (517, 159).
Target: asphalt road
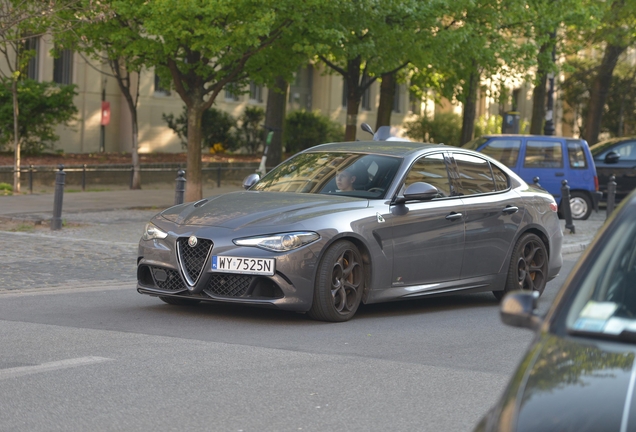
(92, 354)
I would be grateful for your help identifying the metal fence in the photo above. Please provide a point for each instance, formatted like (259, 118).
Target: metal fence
(93, 176)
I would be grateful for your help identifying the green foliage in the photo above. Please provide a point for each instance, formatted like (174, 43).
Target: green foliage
(251, 134)
(216, 127)
(488, 126)
(43, 106)
(444, 128)
(6, 189)
(304, 129)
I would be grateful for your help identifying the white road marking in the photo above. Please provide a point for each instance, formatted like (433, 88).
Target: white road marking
(51, 366)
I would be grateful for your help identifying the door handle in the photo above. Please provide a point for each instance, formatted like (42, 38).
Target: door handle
(559, 174)
(453, 216)
(510, 209)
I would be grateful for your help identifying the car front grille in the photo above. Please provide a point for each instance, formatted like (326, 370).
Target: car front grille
(192, 259)
(167, 279)
(228, 285)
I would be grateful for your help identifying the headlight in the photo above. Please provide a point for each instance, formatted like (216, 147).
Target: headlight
(152, 232)
(279, 242)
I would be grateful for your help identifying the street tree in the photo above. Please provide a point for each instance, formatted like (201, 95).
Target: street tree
(20, 22)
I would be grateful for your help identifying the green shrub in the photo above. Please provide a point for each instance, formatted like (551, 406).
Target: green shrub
(445, 128)
(217, 127)
(304, 129)
(488, 126)
(6, 189)
(251, 134)
(42, 106)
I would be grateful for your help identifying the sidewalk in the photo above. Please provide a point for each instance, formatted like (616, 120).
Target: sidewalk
(108, 207)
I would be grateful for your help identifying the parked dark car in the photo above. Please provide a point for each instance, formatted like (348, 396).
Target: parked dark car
(552, 159)
(616, 157)
(579, 372)
(420, 220)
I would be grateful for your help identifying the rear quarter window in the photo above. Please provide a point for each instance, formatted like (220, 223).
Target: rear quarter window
(576, 155)
(543, 154)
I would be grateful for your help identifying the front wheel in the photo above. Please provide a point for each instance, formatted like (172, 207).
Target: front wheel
(528, 266)
(581, 205)
(339, 283)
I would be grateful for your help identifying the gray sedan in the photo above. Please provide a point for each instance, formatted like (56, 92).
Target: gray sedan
(360, 222)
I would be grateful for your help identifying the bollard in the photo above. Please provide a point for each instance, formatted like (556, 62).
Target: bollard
(536, 182)
(218, 176)
(565, 206)
(56, 221)
(132, 176)
(180, 187)
(84, 178)
(31, 179)
(611, 195)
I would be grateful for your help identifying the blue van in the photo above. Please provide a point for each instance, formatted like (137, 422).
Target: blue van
(552, 159)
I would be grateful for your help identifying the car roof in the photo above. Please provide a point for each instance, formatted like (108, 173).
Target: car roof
(545, 137)
(387, 148)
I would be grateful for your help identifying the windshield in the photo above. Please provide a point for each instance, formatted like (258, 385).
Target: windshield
(351, 174)
(605, 304)
(474, 144)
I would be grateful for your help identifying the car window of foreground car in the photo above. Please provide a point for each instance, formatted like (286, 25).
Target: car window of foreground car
(605, 304)
(316, 172)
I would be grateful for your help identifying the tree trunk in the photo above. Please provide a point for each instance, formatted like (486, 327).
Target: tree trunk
(470, 108)
(16, 138)
(194, 182)
(600, 89)
(275, 119)
(539, 94)
(387, 95)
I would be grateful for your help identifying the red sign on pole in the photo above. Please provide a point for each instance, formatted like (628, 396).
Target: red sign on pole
(105, 113)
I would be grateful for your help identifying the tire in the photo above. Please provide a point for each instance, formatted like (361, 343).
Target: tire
(528, 268)
(581, 205)
(339, 283)
(179, 301)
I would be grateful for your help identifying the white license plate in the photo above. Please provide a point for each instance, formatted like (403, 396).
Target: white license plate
(230, 264)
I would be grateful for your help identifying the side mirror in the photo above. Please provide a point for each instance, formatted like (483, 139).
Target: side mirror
(518, 309)
(365, 127)
(418, 191)
(250, 180)
(612, 157)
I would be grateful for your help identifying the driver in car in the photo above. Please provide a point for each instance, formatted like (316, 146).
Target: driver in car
(345, 180)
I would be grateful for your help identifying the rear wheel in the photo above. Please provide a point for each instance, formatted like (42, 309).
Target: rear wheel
(179, 301)
(581, 205)
(339, 283)
(528, 267)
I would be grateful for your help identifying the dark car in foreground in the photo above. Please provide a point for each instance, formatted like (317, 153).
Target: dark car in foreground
(420, 220)
(616, 157)
(579, 373)
(550, 158)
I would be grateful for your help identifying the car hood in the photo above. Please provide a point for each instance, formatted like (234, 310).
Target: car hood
(240, 209)
(577, 385)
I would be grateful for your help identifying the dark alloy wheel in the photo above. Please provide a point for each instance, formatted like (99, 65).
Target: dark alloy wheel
(339, 283)
(180, 301)
(528, 267)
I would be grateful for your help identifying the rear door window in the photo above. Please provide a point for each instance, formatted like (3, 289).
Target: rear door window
(475, 175)
(543, 154)
(505, 151)
(501, 179)
(576, 155)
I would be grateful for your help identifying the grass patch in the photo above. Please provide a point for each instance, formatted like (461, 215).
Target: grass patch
(6, 189)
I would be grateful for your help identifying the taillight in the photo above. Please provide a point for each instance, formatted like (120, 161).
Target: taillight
(595, 183)
(554, 207)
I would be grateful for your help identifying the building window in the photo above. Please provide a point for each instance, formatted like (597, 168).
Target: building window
(415, 103)
(159, 88)
(33, 44)
(231, 95)
(396, 99)
(63, 67)
(256, 92)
